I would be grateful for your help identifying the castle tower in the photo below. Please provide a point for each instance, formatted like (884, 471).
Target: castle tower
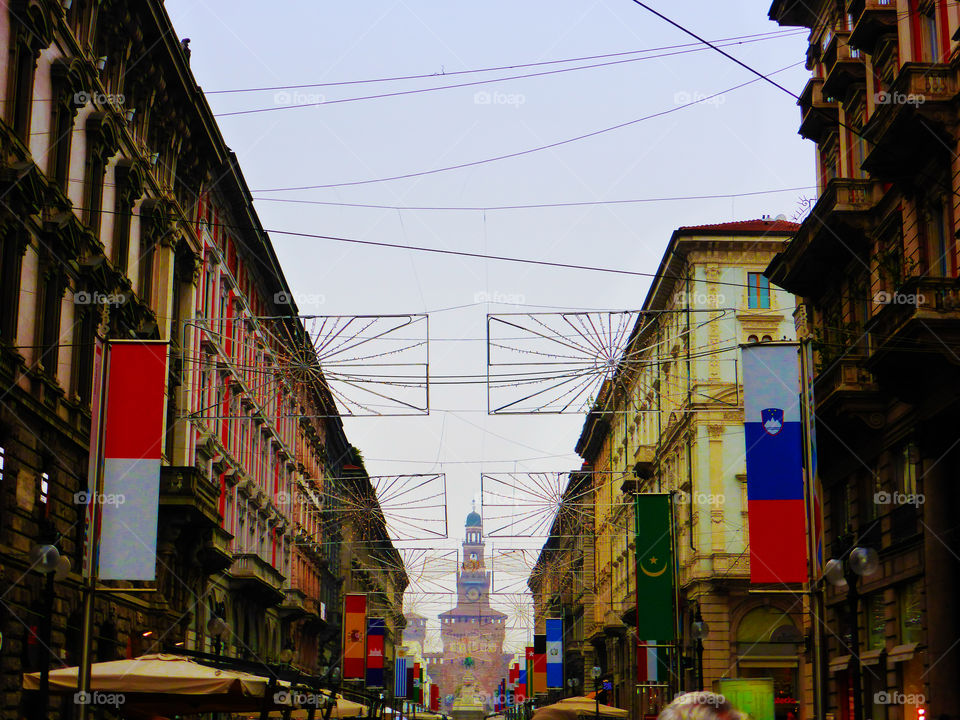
(473, 632)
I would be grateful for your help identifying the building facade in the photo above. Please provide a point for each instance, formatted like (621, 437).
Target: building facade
(670, 420)
(472, 632)
(875, 264)
(124, 216)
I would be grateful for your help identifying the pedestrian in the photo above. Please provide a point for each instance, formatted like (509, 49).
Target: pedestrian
(700, 706)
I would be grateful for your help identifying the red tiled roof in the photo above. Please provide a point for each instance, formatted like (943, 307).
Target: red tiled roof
(760, 225)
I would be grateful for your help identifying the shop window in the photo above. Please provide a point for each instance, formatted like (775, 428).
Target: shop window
(758, 291)
(911, 615)
(876, 621)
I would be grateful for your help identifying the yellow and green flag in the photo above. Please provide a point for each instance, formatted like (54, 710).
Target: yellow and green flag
(656, 621)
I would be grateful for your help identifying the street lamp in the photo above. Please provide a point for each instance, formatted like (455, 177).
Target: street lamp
(217, 628)
(861, 562)
(45, 558)
(572, 684)
(699, 631)
(595, 673)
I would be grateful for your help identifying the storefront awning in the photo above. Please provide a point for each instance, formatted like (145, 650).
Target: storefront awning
(902, 653)
(840, 663)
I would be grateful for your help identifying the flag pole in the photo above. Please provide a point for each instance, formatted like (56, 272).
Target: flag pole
(810, 469)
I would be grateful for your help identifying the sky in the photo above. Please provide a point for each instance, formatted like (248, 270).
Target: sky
(742, 141)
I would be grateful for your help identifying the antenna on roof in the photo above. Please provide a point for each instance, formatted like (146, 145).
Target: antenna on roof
(781, 217)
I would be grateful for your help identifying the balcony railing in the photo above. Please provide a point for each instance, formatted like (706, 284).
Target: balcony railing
(873, 19)
(930, 302)
(253, 572)
(186, 490)
(817, 112)
(846, 387)
(215, 554)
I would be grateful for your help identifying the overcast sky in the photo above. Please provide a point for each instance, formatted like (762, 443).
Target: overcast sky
(741, 142)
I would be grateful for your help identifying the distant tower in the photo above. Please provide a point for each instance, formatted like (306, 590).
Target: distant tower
(416, 630)
(473, 632)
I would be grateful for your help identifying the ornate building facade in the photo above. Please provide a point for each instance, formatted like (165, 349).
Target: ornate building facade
(125, 215)
(472, 632)
(875, 264)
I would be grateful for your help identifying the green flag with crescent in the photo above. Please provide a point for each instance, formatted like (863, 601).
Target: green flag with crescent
(655, 595)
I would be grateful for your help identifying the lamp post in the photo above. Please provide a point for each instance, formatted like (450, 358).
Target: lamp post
(217, 628)
(596, 672)
(699, 631)
(861, 562)
(45, 558)
(572, 684)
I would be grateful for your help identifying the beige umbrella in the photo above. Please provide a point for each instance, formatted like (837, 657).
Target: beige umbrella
(165, 683)
(577, 708)
(343, 709)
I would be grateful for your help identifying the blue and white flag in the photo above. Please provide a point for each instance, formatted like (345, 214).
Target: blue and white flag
(400, 678)
(554, 653)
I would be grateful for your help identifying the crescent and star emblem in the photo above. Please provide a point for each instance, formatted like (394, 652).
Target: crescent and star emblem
(655, 573)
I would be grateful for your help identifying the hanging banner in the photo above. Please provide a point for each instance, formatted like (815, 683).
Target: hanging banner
(539, 664)
(654, 555)
(376, 632)
(132, 446)
(354, 636)
(434, 698)
(400, 677)
(521, 694)
(774, 451)
(554, 653)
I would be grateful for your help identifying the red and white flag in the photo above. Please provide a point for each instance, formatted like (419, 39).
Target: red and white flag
(132, 445)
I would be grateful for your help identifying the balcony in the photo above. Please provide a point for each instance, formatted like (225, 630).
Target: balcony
(215, 555)
(294, 603)
(817, 113)
(189, 497)
(845, 66)
(834, 230)
(910, 125)
(873, 19)
(923, 312)
(251, 573)
(846, 388)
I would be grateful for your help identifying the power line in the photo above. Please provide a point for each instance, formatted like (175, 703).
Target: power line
(766, 35)
(477, 208)
(417, 91)
(528, 151)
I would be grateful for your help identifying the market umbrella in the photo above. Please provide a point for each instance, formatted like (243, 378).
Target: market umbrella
(343, 709)
(165, 684)
(577, 708)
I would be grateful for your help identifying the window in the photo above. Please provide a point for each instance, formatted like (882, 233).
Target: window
(753, 339)
(10, 266)
(911, 629)
(61, 132)
(907, 460)
(44, 489)
(21, 86)
(876, 621)
(758, 291)
(49, 321)
(929, 42)
(3, 457)
(937, 243)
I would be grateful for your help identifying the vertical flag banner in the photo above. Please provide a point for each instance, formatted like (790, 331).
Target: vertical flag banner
(529, 655)
(417, 684)
(656, 622)
(434, 698)
(772, 427)
(411, 684)
(354, 636)
(91, 516)
(132, 445)
(400, 677)
(521, 695)
(376, 630)
(539, 664)
(554, 653)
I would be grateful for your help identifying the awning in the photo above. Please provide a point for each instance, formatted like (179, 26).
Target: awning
(902, 653)
(871, 657)
(839, 663)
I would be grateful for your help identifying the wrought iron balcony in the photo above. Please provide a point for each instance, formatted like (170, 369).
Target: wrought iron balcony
(873, 18)
(818, 113)
(250, 572)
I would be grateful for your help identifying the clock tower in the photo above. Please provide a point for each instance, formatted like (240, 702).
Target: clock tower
(472, 632)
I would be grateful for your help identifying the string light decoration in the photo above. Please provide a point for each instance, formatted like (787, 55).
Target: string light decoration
(559, 363)
(411, 507)
(532, 504)
(331, 366)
